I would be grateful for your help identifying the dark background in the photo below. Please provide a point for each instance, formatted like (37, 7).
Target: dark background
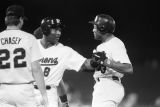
(137, 25)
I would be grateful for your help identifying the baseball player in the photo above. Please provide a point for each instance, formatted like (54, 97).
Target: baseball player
(57, 58)
(108, 90)
(19, 63)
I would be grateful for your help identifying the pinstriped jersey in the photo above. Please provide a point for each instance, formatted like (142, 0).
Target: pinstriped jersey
(17, 50)
(57, 59)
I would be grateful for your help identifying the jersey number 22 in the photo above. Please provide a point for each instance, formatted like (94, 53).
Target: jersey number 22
(5, 64)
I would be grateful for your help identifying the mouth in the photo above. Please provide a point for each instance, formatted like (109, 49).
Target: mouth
(57, 38)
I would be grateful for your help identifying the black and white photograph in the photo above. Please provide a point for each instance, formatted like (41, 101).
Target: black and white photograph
(79, 53)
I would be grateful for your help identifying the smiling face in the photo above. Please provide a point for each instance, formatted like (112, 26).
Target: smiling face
(54, 36)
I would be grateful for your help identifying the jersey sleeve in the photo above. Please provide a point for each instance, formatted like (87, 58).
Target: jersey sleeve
(75, 60)
(120, 53)
(35, 51)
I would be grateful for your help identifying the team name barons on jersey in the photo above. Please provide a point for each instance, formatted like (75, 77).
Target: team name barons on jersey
(49, 61)
(10, 40)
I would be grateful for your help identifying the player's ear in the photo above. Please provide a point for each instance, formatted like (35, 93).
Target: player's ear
(21, 22)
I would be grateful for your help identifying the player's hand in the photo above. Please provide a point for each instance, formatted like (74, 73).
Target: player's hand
(99, 56)
(45, 101)
(65, 104)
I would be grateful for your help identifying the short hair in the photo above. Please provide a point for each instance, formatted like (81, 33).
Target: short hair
(16, 10)
(11, 20)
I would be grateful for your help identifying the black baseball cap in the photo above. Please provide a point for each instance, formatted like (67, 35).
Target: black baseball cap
(16, 10)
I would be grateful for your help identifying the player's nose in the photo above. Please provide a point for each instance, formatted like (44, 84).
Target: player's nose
(58, 33)
(94, 30)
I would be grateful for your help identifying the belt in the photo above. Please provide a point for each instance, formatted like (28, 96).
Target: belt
(4, 83)
(113, 78)
(48, 87)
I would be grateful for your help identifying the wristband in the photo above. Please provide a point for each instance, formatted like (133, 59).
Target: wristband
(63, 98)
(109, 63)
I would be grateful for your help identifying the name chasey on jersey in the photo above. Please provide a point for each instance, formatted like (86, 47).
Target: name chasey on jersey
(49, 61)
(10, 40)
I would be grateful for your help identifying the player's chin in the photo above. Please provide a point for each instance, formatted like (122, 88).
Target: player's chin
(96, 38)
(57, 39)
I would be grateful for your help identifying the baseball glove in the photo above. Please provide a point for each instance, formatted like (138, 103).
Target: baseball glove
(99, 58)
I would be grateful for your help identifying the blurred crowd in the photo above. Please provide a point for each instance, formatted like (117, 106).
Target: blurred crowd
(130, 100)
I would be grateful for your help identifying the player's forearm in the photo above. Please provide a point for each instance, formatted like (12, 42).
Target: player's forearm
(62, 93)
(124, 68)
(39, 78)
(87, 65)
(61, 88)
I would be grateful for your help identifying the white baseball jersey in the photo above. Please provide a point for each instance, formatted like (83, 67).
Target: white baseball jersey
(107, 92)
(56, 60)
(115, 50)
(17, 50)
